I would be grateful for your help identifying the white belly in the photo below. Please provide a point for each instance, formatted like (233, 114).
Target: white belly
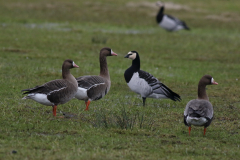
(157, 96)
(81, 94)
(139, 85)
(179, 27)
(196, 121)
(167, 23)
(40, 98)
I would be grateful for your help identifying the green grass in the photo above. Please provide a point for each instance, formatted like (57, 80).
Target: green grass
(37, 36)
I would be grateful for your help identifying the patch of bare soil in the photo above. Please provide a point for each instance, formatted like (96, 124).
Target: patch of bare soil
(21, 5)
(168, 5)
(14, 50)
(225, 16)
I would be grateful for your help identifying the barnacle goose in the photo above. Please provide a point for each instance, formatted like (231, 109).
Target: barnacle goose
(169, 22)
(144, 83)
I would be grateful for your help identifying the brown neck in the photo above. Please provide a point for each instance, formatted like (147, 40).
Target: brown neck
(68, 76)
(103, 67)
(65, 72)
(202, 94)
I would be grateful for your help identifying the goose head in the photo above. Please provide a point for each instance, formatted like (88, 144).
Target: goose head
(207, 80)
(107, 52)
(159, 4)
(68, 64)
(132, 55)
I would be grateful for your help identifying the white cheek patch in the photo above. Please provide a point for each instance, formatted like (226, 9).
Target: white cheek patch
(133, 56)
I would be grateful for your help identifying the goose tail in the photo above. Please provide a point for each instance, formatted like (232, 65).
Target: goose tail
(170, 94)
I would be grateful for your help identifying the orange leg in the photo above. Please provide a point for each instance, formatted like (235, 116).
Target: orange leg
(204, 132)
(87, 104)
(189, 130)
(54, 110)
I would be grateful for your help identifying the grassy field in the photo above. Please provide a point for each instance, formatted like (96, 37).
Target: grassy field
(37, 36)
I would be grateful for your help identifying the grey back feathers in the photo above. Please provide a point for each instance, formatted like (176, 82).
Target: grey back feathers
(157, 87)
(199, 108)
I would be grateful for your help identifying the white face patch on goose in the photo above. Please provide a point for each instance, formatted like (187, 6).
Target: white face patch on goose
(212, 80)
(132, 55)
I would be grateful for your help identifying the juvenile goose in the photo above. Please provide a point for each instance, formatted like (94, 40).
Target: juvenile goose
(55, 92)
(144, 83)
(169, 22)
(199, 112)
(91, 88)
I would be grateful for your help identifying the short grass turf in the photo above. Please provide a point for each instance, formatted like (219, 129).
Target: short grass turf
(37, 36)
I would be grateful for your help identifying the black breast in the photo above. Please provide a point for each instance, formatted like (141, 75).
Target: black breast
(128, 74)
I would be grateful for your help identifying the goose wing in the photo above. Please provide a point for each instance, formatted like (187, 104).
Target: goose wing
(177, 21)
(96, 86)
(158, 87)
(57, 91)
(174, 19)
(89, 81)
(47, 88)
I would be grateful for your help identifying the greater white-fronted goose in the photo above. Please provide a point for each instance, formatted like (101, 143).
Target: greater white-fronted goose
(91, 88)
(144, 83)
(55, 92)
(169, 22)
(199, 112)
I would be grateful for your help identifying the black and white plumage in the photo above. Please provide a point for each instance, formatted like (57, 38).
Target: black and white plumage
(55, 92)
(144, 83)
(91, 88)
(169, 22)
(199, 112)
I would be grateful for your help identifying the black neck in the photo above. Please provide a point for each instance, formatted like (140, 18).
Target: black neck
(136, 64)
(160, 15)
(135, 67)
